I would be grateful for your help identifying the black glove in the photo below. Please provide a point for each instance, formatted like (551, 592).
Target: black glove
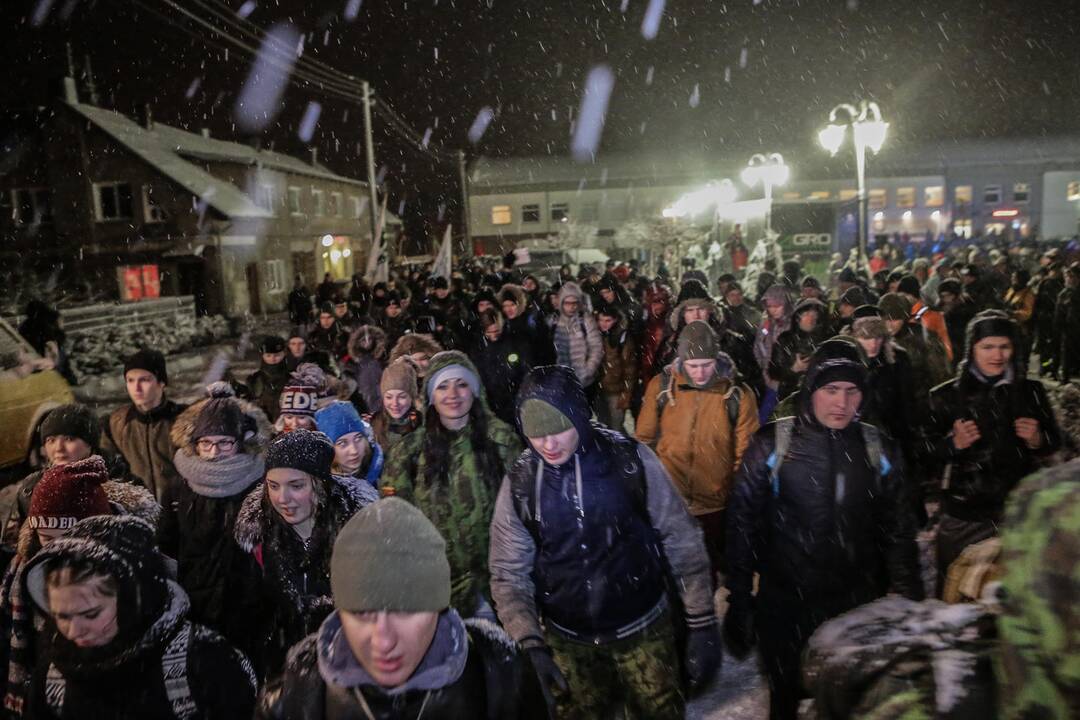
(703, 654)
(739, 629)
(551, 678)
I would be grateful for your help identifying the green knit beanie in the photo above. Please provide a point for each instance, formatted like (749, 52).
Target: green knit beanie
(390, 557)
(540, 419)
(697, 341)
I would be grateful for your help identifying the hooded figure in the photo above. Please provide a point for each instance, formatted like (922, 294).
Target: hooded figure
(820, 547)
(986, 429)
(199, 515)
(578, 344)
(773, 323)
(793, 348)
(296, 569)
(266, 384)
(69, 493)
(452, 475)
(525, 323)
(607, 618)
(367, 352)
(658, 309)
(151, 660)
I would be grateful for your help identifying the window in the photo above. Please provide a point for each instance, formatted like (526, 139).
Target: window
(264, 197)
(294, 201)
(113, 201)
(530, 213)
(848, 194)
(878, 199)
(991, 194)
(32, 206)
(962, 228)
(933, 196)
(905, 197)
(1021, 192)
(152, 211)
(963, 194)
(791, 196)
(560, 212)
(1072, 192)
(501, 215)
(336, 205)
(589, 212)
(820, 195)
(354, 203)
(275, 276)
(320, 202)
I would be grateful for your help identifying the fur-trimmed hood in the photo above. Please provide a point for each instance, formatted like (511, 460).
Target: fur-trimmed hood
(182, 428)
(516, 293)
(124, 498)
(414, 343)
(675, 319)
(372, 334)
(341, 491)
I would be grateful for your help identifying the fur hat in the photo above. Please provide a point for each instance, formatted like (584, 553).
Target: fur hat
(415, 343)
(221, 410)
(368, 340)
(400, 375)
(150, 360)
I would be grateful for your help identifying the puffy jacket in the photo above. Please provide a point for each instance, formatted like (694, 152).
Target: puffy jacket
(933, 321)
(143, 441)
(482, 674)
(503, 365)
(619, 373)
(693, 434)
(830, 528)
(929, 365)
(793, 342)
(577, 338)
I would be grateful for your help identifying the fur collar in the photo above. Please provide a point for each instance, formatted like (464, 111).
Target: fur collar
(185, 425)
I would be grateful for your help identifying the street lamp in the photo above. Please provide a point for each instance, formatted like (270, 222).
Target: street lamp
(868, 130)
(716, 193)
(769, 170)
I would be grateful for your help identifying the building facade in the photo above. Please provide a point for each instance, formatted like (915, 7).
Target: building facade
(144, 209)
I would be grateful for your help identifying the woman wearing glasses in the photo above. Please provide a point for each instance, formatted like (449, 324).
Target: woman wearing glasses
(220, 443)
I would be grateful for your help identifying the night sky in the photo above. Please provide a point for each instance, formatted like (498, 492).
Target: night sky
(741, 74)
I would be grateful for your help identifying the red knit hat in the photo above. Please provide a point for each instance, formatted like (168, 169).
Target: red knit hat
(69, 493)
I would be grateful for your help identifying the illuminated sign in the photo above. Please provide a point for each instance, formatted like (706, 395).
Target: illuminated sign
(1005, 213)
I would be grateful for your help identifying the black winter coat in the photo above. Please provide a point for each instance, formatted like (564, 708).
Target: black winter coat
(980, 477)
(221, 580)
(221, 683)
(788, 346)
(888, 403)
(503, 365)
(833, 532)
(496, 684)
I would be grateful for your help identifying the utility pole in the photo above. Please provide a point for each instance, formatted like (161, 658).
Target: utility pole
(369, 150)
(464, 172)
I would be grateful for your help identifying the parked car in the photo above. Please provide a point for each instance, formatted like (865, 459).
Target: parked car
(29, 388)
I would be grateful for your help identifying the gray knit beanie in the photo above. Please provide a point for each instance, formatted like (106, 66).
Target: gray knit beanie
(389, 556)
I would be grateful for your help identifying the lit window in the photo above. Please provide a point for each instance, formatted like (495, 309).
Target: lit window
(294, 200)
(530, 213)
(152, 210)
(264, 198)
(962, 228)
(275, 276)
(820, 195)
(905, 197)
(1021, 192)
(878, 198)
(560, 212)
(1072, 192)
(791, 196)
(963, 194)
(933, 196)
(991, 194)
(501, 215)
(879, 221)
(113, 201)
(848, 194)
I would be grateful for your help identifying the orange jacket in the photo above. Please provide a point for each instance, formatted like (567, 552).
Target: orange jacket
(933, 321)
(694, 438)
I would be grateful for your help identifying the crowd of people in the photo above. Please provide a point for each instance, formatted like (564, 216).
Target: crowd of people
(487, 496)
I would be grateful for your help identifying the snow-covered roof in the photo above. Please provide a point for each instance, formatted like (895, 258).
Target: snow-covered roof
(219, 194)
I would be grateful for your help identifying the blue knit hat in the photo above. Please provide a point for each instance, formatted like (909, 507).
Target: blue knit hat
(340, 418)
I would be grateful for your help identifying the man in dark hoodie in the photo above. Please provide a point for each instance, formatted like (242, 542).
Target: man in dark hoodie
(328, 336)
(266, 384)
(819, 513)
(394, 647)
(791, 354)
(607, 639)
(522, 322)
(987, 428)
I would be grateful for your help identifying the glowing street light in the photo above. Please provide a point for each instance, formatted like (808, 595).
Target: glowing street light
(868, 130)
(769, 170)
(715, 194)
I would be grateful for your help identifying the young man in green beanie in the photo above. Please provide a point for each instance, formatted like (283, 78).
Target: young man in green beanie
(394, 647)
(587, 527)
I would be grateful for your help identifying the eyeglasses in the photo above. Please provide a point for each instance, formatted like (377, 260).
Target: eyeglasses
(222, 445)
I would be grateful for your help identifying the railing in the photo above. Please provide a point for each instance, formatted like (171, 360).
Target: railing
(89, 318)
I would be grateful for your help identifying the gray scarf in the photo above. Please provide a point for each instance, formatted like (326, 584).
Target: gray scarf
(219, 478)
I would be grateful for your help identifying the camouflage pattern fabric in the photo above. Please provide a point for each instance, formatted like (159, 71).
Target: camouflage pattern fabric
(1039, 664)
(640, 674)
(461, 509)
